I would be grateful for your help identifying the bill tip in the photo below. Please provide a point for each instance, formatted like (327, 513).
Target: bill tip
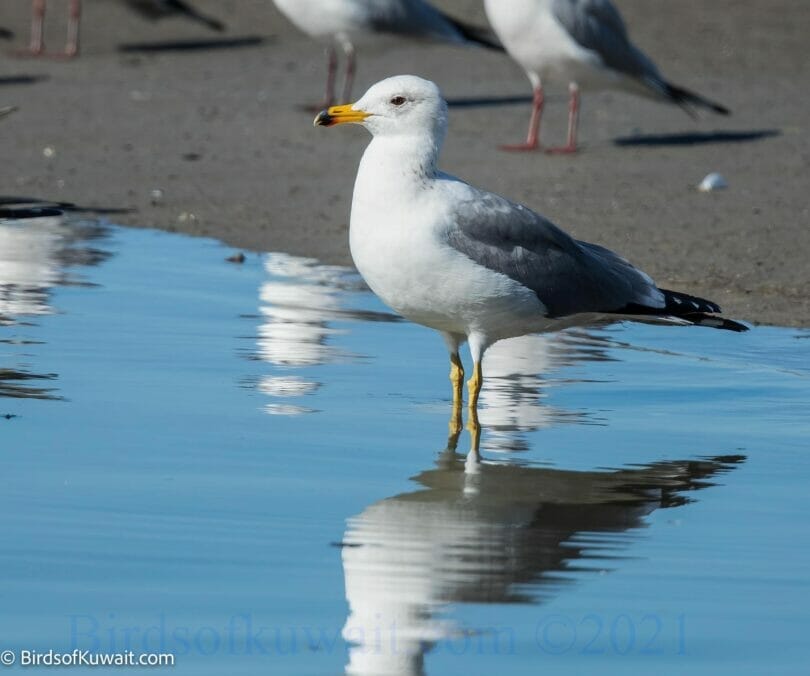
(322, 119)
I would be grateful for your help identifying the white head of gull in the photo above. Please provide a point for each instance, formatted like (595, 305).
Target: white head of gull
(469, 263)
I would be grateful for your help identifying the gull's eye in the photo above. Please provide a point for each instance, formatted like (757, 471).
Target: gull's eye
(397, 100)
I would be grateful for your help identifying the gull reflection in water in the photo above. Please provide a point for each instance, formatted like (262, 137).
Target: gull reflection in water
(516, 379)
(500, 534)
(37, 254)
(302, 300)
(298, 306)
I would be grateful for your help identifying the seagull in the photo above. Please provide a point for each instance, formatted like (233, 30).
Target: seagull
(151, 9)
(582, 42)
(342, 21)
(467, 262)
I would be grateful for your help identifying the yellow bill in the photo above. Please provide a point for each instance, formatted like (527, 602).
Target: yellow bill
(339, 115)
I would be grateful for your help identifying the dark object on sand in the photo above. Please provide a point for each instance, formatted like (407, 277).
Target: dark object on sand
(15, 208)
(12, 80)
(22, 213)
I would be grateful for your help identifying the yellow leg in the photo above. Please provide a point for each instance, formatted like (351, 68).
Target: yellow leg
(457, 380)
(474, 389)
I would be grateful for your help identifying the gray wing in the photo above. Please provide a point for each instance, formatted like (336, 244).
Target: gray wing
(412, 18)
(568, 276)
(598, 26)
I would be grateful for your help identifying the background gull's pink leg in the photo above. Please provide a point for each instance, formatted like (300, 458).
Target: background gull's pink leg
(351, 68)
(573, 123)
(37, 44)
(74, 18)
(533, 136)
(331, 71)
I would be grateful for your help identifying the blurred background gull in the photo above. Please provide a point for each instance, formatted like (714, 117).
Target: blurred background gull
(299, 305)
(344, 22)
(582, 43)
(39, 251)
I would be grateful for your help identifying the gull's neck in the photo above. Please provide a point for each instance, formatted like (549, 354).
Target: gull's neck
(397, 164)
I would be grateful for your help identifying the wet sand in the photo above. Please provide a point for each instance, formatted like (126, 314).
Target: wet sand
(221, 134)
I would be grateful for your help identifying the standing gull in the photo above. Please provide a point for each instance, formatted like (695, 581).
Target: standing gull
(583, 43)
(343, 21)
(469, 263)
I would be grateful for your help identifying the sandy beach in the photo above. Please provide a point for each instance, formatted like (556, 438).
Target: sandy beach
(216, 142)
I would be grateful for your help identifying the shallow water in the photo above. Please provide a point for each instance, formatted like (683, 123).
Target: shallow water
(247, 466)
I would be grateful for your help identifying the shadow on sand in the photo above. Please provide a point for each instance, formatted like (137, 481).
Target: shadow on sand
(696, 138)
(488, 101)
(22, 79)
(193, 45)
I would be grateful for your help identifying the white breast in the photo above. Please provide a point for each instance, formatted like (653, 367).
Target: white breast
(397, 246)
(320, 19)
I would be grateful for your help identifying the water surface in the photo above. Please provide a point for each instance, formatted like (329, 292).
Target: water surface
(248, 466)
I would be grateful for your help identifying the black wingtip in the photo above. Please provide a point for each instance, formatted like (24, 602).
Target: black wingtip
(214, 24)
(192, 13)
(697, 311)
(681, 304)
(715, 322)
(687, 99)
(717, 107)
(210, 22)
(483, 37)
